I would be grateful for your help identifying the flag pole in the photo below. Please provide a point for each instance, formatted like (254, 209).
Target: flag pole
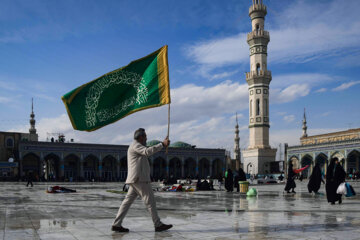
(168, 130)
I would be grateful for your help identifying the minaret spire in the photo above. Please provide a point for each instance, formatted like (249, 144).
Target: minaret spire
(32, 129)
(304, 127)
(237, 145)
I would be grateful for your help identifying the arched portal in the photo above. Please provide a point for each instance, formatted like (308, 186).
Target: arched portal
(91, 166)
(353, 159)
(123, 168)
(175, 168)
(109, 168)
(204, 168)
(217, 168)
(306, 160)
(52, 167)
(71, 167)
(190, 168)
(31, 165)
(159, 168)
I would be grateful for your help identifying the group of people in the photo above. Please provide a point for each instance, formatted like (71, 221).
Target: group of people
(232, 182)
(334, 177)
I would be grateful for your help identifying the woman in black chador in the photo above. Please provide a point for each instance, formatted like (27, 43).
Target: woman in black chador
(315, 179)
(335, 175)
(229, 181)
(290, 184)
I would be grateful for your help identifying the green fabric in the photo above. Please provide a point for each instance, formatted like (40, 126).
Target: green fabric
(116, 94)
(226, 174)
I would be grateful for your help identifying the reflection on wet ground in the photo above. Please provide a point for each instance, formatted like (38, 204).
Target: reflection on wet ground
(30, 213)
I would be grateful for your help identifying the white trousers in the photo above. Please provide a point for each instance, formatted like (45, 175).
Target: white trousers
(146, 193)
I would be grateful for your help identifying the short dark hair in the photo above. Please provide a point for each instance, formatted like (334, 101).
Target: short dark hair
(138, 133)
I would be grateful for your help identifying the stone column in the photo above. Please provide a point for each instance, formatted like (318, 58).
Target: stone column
(182, 167)
(20, 165)
(81, 165)
(41, 165)
(357, 163)
(211, 166)
(62, 166)
(197, 166)
(100, 167)
(118, 166)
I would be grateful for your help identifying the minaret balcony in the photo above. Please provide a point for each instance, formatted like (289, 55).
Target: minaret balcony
(257, 10)
(255, 74)
(258, 34)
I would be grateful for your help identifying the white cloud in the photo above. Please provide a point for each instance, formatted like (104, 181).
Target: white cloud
(289, 118)
(222, 75)
(321, 90)
(5, 99)
(345, 86)
(305, 31)
(289, 94)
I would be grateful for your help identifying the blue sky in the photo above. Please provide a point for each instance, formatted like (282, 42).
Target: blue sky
(50, 47)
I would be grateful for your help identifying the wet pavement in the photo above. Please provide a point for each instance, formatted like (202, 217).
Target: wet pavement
(31, 213)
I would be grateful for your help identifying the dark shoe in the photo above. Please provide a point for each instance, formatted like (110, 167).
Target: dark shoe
(119, 229)
(340, 201)
(293, 191)
(163, 227)
(288, 191)
(332, 203)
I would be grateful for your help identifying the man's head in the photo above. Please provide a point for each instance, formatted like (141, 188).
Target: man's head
(140, 136)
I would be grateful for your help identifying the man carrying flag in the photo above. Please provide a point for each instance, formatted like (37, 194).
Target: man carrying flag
(142, 84)
(139, 181)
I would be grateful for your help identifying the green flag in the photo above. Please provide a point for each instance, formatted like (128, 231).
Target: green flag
(142, 84)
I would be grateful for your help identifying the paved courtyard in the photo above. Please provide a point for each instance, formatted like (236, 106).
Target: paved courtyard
(30, 213)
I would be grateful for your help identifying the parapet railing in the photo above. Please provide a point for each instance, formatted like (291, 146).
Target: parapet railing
(258, 33)
(257, 74)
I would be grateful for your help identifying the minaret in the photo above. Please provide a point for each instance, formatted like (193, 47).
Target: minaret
(32, 130)
(258, 80)
(237, 146)
(304, 127)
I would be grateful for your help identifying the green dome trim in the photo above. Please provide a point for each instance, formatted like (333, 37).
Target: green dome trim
(152, 143)
(180, 145)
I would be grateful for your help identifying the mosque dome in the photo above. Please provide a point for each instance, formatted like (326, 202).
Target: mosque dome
(180, 145)
(152, 143)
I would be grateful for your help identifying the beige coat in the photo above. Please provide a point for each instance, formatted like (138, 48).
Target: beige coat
(138, 163)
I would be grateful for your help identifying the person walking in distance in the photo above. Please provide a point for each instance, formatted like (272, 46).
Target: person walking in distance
(139, 182)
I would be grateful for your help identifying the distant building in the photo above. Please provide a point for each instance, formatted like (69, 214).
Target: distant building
(344, 145)
(59, 160)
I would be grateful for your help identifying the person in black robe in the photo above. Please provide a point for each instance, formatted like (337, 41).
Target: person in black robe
(315, 179)
(241, 176)
(335, 175)
(229, 181)
(290, 184)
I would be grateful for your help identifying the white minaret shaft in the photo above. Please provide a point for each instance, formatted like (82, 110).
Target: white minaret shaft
(258, 78)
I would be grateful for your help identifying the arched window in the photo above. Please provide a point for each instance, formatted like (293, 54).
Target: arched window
(257, 27)
(258, 69)
(9, 143)
(251, 103)
(265, 107)
(257, 107)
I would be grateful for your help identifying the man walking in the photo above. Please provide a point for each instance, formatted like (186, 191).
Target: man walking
(139, 182)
